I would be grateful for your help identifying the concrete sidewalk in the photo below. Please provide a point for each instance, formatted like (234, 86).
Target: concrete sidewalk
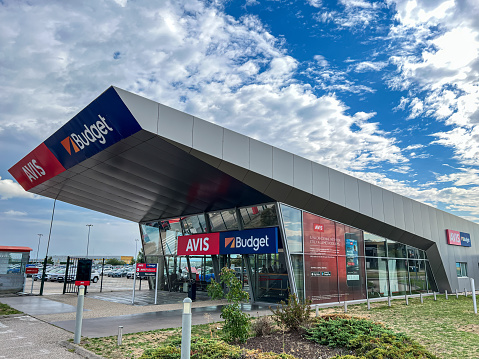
(101, 317)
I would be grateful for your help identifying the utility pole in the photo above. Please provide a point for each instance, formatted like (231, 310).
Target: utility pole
(88, 242)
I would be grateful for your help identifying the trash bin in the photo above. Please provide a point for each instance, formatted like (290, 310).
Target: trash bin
(192, 290)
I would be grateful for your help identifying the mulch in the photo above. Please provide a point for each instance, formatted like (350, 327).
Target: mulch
(293, 343)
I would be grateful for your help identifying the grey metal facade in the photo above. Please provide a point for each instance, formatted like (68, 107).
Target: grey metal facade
(150, 175)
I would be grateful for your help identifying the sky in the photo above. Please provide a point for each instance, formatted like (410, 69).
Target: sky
(386, 90)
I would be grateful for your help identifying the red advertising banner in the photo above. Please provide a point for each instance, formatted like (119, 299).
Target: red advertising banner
(453, 237)
(30, 270)
(36, 167)
(199, 244)
(82, 282)
(319, 235)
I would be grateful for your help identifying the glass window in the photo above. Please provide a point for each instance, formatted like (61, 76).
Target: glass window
(396, 250)
(398, 276)
(170, 230)
(417, 276)
(377, 274)
(259, 216)
(194, 224)
(223, 220)
(375, 246)
(461, 269)
(298, 273)
(412, 253)
(150, 233)
(11, 263)
(292, 226)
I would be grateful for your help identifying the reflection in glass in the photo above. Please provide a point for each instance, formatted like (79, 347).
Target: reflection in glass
(298, 273)
(223, 220)
(376, 271)
(292, 226)
(398, 276)
(194, 224)
(170, 230)
(417, 276)
(259, 216)
(396, 249)
(375, 246)
(151, 238)
(270, 279)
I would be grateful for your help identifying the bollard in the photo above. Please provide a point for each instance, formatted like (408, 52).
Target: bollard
(465, 292)
(473, 289)
(186, 329)
(446, 294)
(120, 334)
(389, 301)
(435, 298)
(345, 307)
(422, 300)
(407, 299)
(369, 304)
(317, 310)
(79, 316)
(457, 294)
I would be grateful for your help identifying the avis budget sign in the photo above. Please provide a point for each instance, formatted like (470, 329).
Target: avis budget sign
(457, 238)
(251, 241)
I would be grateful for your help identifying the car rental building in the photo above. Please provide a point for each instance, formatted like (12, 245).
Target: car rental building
(206, 197)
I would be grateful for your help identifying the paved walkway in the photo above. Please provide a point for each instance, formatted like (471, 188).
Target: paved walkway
(102, 316)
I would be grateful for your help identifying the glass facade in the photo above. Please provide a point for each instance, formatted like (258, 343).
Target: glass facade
(328, 261)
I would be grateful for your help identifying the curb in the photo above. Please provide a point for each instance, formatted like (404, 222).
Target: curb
(80, 350)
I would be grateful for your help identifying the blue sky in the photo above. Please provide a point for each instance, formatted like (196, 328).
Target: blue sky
(387, 91)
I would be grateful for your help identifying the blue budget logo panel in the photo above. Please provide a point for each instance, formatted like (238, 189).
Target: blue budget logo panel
(251, 241)
(465, 239)
(101, 124)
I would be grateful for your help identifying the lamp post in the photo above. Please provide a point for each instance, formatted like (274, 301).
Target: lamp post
(38, 248)
(136, 249)
(88, 242)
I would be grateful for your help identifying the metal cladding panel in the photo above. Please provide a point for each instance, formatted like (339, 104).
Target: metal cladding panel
(261, 158)
(408, 215)
(283, 168)
(101, 124)
(143, 110)
(320, 181)
(426, 227)
(388, 207)
(399, 211)
(208, 138)
(365, 201)
(175, 125)
(336, 187)
(377, 202)
(351, 188)
(236, 149)
(303, 174)
(416, 212)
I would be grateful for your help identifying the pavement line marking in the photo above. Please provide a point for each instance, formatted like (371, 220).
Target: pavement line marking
(7, 331)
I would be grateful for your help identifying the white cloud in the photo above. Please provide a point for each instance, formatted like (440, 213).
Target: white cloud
(366, 66)
(10, 189)
(15, 213)
(315, 3)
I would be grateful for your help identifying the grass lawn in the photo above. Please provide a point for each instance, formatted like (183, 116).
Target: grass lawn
(7, 310)
(448, 328)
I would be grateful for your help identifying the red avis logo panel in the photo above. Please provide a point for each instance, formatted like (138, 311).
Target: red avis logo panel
(199, 244)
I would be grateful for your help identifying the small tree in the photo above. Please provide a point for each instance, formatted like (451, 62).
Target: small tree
(237, 325)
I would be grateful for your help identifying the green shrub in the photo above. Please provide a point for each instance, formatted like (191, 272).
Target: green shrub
(293, 315)
(205, 348)
(237, 325)
(262, 326)
(339, 332)
(369, 340)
